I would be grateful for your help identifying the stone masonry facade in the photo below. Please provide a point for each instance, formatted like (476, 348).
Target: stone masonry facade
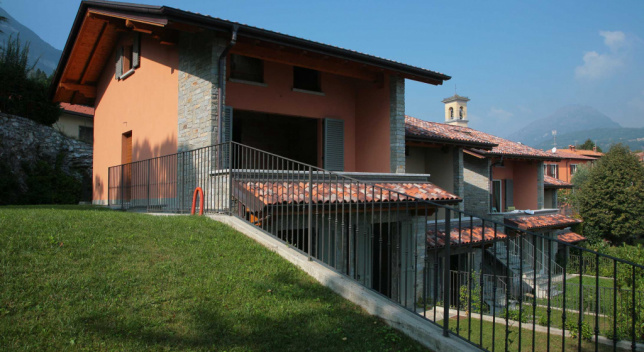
(397, 124)
(457, 163)
(476, 185)
(198, 113)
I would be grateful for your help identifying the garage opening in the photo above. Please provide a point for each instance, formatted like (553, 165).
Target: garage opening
(288, 136)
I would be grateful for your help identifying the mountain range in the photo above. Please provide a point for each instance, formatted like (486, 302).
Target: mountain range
(574, 125)
(40, 50)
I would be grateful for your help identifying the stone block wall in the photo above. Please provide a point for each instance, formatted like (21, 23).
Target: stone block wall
(397, 124)
(198, 114)
(24, 141)
(476, 185)
(458, 166)
(540, 185)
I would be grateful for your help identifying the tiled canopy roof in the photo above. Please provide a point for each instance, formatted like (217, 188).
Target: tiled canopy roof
(551, 182)
(441, 132)
(542, 221)
(466, 236)
(571, 237)
(274, 193)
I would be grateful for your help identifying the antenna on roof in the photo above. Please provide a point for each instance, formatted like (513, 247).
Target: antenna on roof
(554, 136)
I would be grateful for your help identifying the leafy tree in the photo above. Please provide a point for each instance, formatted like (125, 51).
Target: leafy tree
(588, 145)
(610, 197)
(23, 91)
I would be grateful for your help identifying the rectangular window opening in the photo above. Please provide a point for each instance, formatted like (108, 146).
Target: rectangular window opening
(246, 68)
(306, 79)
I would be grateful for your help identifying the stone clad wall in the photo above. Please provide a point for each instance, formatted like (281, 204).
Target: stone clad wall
(397, 124)
(25, 141)
(198, 90)
(476, 186)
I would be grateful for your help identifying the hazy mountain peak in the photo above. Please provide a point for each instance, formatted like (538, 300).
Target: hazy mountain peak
(567, 119)
(40, 50)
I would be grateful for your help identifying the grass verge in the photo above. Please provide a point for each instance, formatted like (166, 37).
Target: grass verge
(78, 278)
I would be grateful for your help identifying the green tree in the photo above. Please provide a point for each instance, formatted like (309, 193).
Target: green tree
(588, 145)
(610, 197)
(23, 91)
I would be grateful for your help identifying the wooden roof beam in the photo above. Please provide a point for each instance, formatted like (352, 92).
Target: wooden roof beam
(86, 90)
(306, 61)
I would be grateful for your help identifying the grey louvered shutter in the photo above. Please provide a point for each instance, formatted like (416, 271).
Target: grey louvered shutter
(119, 63)
(334, 144)
(509, 193)
(226, 133)
(136, 47)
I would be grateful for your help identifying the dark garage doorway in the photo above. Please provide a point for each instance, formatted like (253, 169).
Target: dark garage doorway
(288, 136)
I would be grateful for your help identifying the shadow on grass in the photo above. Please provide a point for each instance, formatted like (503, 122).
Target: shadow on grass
(58, 207)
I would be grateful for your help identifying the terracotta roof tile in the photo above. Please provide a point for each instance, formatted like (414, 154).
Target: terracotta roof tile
(273, 193)
(466, 236)
(77, 109)
(568, 154)
(441, 132)
(551, 182)
(542, 221)
(571, 237)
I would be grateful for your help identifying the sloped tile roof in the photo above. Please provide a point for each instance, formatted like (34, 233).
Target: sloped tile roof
(466, 236)
(274, 193)
(542, 221)
(571, 237)
(441, 132)
(77, 109)
(568, 154)
(551, 182)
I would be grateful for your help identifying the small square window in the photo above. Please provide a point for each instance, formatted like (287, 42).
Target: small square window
(86, 134)
(246, 68)
(306, 79)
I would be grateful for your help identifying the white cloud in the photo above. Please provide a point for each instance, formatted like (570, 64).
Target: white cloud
(596, 65)
(614, 40)
(500, 114)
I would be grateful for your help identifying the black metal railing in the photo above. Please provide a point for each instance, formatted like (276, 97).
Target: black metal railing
(491, 284)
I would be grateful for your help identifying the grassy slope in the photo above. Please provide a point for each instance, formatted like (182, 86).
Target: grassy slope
(79, 278)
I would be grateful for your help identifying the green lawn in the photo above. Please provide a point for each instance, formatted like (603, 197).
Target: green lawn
(497, 341)
(589, 281)
(78, 278)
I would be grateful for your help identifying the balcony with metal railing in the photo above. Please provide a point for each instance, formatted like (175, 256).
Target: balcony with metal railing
(481, 280)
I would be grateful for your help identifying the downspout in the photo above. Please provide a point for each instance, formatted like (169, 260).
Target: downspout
(222, 77)
(500, 162)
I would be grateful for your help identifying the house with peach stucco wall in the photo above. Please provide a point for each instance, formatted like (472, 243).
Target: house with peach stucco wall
(159, 79)
(172, 89)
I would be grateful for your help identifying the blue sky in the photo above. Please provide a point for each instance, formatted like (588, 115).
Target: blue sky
(516, 61)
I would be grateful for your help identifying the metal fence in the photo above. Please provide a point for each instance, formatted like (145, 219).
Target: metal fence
(402, 246)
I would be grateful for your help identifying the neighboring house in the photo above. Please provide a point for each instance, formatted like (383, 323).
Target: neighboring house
(496, 178)
(164, 81)
(640, 156)
(567, 166)
(492, 174)
(76, 121)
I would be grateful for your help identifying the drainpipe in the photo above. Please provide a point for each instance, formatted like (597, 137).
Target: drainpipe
(222, 76)
(500, 163)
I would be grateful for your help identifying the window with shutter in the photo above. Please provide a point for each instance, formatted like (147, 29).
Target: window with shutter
(334, 144)
(509, 193)
(128, 57)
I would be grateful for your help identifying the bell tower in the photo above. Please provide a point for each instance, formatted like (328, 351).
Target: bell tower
(456, 110)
